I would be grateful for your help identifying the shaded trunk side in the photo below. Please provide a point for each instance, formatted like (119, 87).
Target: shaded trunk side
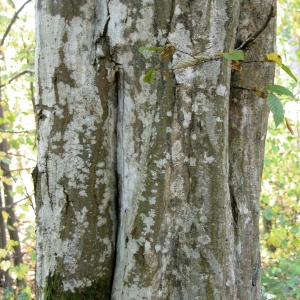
(247, 132)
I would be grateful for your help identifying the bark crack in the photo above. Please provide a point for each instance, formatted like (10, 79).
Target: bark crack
(234, 211)
(48, 178)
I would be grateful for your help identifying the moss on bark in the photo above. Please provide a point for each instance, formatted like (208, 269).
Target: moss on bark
(99, 290)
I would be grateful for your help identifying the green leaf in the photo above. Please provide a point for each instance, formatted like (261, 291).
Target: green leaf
(149, 76)
(269, 213)
(29, 141)
(5, 264)
(288, 70)
(234, 55)
(265, 199)
(11, 228)
(19, 189)
(6, 160)
(11, 118)
(15, 144)
(32, 255)
(284, 243)
(142, 49)
(278, 89)
(276, 108)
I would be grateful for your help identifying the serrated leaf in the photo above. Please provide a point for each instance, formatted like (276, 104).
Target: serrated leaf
(278, 89)
(276, 108)
(149, 76)
(185, 63)
(275, 57)
(288, 71)
(142, 49)
(234, 55)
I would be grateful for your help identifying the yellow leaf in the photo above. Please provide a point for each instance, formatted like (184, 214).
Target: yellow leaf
(6, 180)
(5, 264)
(5, 215)
(5, 135)
(3, 253)
(275, 57)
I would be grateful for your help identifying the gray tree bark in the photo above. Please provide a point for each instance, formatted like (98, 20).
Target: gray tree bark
(149, 192)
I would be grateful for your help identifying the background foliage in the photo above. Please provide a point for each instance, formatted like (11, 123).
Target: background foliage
(17, 150)
(280, 207)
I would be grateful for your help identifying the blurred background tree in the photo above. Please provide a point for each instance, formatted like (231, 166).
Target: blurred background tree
(17, 149)
(280, 207)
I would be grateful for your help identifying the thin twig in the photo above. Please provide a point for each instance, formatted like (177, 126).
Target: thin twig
(16, 76)
(12, 205)
(253, 37)
(12, 21)
(21, 155)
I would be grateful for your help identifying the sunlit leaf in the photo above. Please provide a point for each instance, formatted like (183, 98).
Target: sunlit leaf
(15, 144)
(29, 141)
(275, 57)
(5, 215)
(19, 189)
(269, 213)
(278, 89)
(288, 71)
(276, 108)
(24, 207)
(5, 265)
(33, 255)
(3, 253)
(234, 55)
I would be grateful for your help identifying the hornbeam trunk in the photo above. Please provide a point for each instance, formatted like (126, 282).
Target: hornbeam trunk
(149, 191)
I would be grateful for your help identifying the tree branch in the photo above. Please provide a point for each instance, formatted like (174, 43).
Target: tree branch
(23, 131)
(253, 37)
(12, 205)
(16, 76)
(12, 21)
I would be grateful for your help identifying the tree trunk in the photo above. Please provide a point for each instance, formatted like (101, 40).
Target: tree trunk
(149, 192)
